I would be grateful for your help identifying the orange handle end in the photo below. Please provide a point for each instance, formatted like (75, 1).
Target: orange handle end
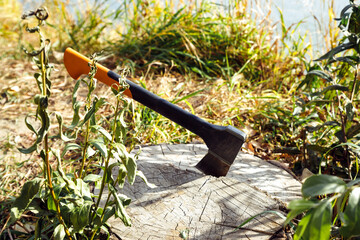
(77, 64)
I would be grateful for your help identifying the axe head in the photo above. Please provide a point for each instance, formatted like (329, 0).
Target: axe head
(224, 145)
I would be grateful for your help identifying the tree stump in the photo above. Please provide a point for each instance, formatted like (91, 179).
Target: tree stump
(186, 204)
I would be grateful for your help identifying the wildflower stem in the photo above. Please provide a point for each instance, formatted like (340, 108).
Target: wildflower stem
(106, 167)
(46, 150)
(86, 143)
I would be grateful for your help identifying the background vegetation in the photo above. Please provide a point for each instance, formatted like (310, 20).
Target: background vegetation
(213, 60)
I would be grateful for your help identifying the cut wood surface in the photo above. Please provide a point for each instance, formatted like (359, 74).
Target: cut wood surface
(186, 204)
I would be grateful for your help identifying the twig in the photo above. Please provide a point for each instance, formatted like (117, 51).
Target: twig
(9, 233)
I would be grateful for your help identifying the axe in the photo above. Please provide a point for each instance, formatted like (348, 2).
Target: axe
(224, 142)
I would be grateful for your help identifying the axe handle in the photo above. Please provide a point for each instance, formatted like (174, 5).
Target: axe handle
(176, 114)
(77, 64)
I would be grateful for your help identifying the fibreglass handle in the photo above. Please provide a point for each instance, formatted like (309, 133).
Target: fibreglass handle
(171, 111)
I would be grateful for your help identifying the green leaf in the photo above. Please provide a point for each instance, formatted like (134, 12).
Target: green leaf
(102, 131)
(309, 78)
(76, 116)
(70, 146)
(302, 227)
(83, 189)
(21, 203)
(351, 216)
(29, 125)
(322, 184)
(316, 224)
(301, 204)
(121, 151)
(127, 160)
(109, 176)
(50, 201)
(60, 122)
(99, 145)
(321, 221)
(74, 94)
(142, 176)
(336, 50)
(121, 175)
(331, 88)
(97, 103)
(70, 184)
(28, 150)
(45, 124)
(354, 182)
(80, 216)
(297, 207)
(90, 152)
(321, 74)
(120, 209)
(335, 87)
(131, 169)
(92, 178)
(124, 199)
(109, 212)
(351, 60)
(122, 119)
(38, 206)
(59, 232)
(38, 228)
(175, 101)
(66, 210)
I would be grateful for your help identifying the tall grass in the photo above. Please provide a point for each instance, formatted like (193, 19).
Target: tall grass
(211, 40)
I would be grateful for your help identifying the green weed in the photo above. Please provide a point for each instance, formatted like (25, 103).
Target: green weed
(60, 204)
(331, 139)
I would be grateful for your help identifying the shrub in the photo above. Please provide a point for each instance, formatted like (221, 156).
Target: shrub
(331, 205)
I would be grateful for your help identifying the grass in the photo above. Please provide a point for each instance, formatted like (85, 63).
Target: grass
(214, 61)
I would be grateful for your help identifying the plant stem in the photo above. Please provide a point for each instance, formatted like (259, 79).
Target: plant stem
(49, 180)
(46, 148)
(108, 157)
(86, 143)
(106, 166)
(103, 213)
(344, 119)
